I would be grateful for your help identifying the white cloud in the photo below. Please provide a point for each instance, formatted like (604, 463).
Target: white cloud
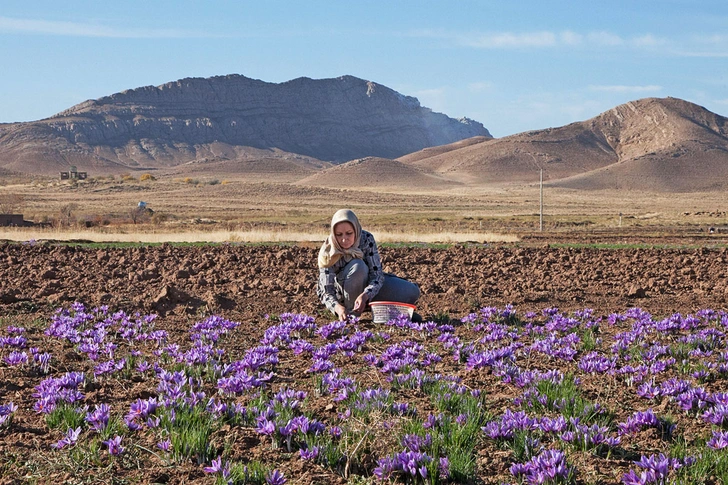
(648, 40)
(695, 53)
(618, 88)
(544, 39)
(719, 40)
(79, 29)
(703, 45)
(571, 38)
(480, 87)
(555, 39)
(715, 45)
(604, 39)
(510, 40)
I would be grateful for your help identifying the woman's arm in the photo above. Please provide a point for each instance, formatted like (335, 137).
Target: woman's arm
(371, 257)
(326, 289)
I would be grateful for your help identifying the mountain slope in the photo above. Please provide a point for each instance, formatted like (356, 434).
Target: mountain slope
(650, 144)
(329, 119)
(373, 173)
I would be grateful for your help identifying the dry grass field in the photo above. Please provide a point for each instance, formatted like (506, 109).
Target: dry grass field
(219, 209)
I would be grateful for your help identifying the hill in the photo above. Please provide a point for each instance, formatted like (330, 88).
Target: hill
(373, 173)
(332, 120)
(657, 144)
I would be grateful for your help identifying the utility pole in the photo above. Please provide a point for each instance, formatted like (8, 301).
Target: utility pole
(540, 212)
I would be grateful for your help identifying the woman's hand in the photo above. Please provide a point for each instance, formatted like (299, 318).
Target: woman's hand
(340, 311)
(361, 302)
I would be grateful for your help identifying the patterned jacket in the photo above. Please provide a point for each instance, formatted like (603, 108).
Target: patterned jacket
(330, 294)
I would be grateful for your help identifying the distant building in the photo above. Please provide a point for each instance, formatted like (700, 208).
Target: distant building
(73, 174)
(14, 220)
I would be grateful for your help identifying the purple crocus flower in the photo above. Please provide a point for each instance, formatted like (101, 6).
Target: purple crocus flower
(165, 445)
(641, 420)
(266, 427)
(549, 466)
(275, 478)
(6, 410)
(719, 440)
(114, 445)
(674, 387)
(18, 342)
(555, 425)
(693, 399)
(656, 469)
(717, 414)
(16, 358)
(70, 439)
(595, 363)
(444, 468)
(218, 467)
(43, 361)
(98, 419)
(634, 478)
(309, 454)
(648, 390)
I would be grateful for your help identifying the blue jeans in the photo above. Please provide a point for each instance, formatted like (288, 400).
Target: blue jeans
(353, 278)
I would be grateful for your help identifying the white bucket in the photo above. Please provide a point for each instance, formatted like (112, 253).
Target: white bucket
(385, 311)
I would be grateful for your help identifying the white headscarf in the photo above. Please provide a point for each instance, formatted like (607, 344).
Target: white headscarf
(331, 251)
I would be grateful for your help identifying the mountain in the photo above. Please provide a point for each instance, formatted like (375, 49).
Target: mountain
(656, 144)
(226, 118)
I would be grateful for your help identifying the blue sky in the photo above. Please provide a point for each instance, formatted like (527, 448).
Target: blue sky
(512, 65)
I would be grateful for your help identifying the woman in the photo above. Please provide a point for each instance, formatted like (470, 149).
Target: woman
(350, 270)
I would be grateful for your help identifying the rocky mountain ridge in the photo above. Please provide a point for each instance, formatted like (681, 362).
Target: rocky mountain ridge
(220, 117)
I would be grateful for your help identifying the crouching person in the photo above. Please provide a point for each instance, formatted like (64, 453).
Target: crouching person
(350, 270)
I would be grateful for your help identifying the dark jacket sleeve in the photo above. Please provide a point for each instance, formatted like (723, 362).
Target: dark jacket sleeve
(326, 289)
(371, 257)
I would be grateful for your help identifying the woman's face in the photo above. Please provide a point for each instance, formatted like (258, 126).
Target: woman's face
(344, 234)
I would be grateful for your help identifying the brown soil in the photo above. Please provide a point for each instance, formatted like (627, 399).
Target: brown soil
(248, 283)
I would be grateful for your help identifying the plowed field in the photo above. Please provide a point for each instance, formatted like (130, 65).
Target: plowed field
(253, 285)
(246, 282)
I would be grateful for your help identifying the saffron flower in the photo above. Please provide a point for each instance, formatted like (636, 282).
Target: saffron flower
(16, 358)
(218, 467)
(6, 410)
(114, 445)
(719, 440)
(275, 478)
(655, 469)
(98, 419)
(717, 415)
(309, 454)
(548, 467)
(70, 439)
(165, 445)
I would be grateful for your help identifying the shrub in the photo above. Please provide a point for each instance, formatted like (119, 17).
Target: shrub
(147, 176)
(159, 217)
